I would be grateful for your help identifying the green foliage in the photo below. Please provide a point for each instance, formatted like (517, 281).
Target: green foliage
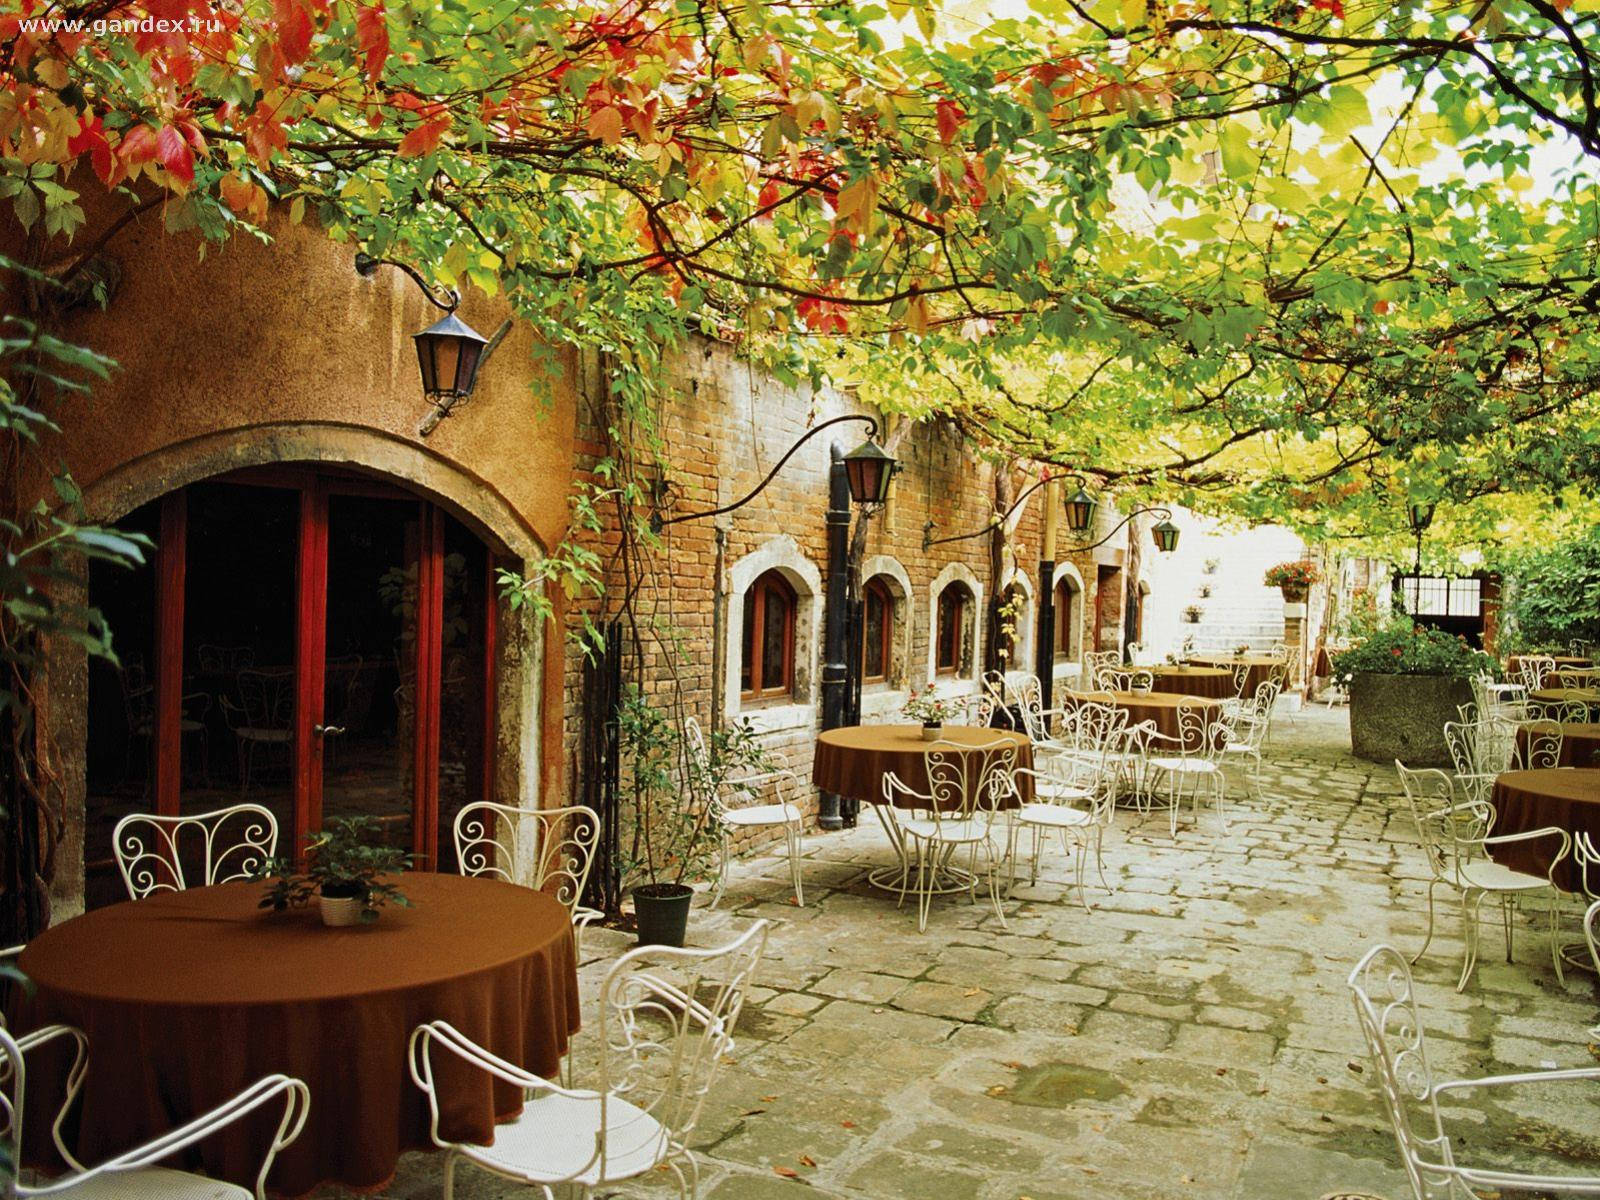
(1401, 648)
(347, 858)
(674, 791)
(1554, 596)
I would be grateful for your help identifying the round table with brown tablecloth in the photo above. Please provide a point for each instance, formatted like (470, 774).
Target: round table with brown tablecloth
(1559, 697)
(1565, 797)
(1580, 744)
(1211, 683)
(1259, 668)
(1159, 708)
(188, 997)
(852, 760)
(1583, 677)
(1514, 663)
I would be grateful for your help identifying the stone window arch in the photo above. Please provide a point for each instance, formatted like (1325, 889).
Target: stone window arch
(888, 577)
(783, 573)
(955, 600)
(1067, 636)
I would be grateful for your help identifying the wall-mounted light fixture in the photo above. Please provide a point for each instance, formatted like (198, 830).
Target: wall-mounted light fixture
(450, 353)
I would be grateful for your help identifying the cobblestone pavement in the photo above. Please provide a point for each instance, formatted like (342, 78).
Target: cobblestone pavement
(1192, 1036)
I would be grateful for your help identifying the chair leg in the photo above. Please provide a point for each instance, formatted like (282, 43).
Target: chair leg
(1505, 921)
(792, 835)
(994, 879)
(1469, 918)
(1432, 883)
(1555, 939)
(722, 871)
(449, 1175)
(924, 887)
(1099, 857)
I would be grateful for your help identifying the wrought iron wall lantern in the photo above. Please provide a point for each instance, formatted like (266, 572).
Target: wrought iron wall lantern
(1420, 513)
(450, 353)
(868, 468)
(1080, 508)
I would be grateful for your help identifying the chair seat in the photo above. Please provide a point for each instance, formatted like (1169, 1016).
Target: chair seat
(1192, 766)
(251, 734)
(960, 830)
(1490, 876)
(554, 1137)
(1057, 816)
(764, 814)
(155, 1183)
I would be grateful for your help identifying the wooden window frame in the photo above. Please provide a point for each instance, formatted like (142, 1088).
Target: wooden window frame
(768, 581)
(962, 602)
(877, 672)
(1061, 635)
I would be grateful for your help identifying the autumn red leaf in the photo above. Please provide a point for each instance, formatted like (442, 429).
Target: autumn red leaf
(372, 36)
(175, 154)
(950, 118)
(138, 145)
(91, 137)
(294, 29)
(425, 138)
(786, 1172)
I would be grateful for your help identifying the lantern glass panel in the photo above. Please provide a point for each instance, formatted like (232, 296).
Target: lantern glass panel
(1080, 512)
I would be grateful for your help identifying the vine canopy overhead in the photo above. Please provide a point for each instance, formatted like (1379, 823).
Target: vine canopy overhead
(1294, 260)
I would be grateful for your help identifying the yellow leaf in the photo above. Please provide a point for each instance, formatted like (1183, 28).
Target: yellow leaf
(606, 125)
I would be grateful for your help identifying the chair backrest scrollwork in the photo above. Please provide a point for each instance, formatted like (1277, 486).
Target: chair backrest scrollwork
(232, 843)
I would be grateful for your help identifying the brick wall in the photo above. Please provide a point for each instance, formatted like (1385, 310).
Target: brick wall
(723, 430)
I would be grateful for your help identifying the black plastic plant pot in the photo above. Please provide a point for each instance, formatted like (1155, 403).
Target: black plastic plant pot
(662, 911)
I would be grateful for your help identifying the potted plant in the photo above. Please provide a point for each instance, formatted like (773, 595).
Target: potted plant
(1242, 650)
(1205, 591)
(933, 711)
(1293, 579)
(1405, 681)
(1192, 614)
(673, 788)
(347, 869)
(1211, 565)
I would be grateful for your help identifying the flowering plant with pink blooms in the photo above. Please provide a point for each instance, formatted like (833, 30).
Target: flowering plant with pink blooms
(929, 708)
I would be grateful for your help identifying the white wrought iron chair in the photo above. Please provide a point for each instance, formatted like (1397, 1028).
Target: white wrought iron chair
(1455, 837)
(966, 785)
(1386, 1007)
(149, 847)
(1247, 731)
(1532, 670)
(1193, 757)
(547, 849)
(1074, 797)
(1591, 934)
(263, 719)
(1508, 700)
(665, 1025)
(134, 1174)
(1128, 680)
(783, 813)
(1543, 749)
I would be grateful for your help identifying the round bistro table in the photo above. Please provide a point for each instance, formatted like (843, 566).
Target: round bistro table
(1259, 668)
(1584, 677)
(1566, 696)
(1210, 683)
(853, 760)
(1159, 708)
(188, 997)
(1566, 797)
(1580, 744)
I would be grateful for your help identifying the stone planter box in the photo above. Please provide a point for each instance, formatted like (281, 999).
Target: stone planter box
(1403, 716)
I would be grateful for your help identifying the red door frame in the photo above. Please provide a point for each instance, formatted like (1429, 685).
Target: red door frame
(311, 598)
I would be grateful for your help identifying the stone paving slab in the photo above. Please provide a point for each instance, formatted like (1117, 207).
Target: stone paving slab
(1189, 1037)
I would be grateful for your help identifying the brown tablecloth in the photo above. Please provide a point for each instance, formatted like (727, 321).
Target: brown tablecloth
(1261, 668)
(852, 761)
(1161, 708)
(1586, 677)
(187, 997)
(1212, 683)
(1562, 796)
(1580, 744)
(1561, 696)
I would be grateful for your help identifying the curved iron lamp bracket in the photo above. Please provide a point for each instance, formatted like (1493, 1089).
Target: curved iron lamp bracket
(1164, 513)
(366, 265)
(658, 522)
(928, 540)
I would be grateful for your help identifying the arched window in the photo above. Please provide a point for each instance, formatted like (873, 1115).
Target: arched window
(1067, 618)
(767, 667)
(951, 645)
(877, 631)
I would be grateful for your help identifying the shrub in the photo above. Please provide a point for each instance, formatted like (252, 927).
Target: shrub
(1403, 649)
(1555, 596)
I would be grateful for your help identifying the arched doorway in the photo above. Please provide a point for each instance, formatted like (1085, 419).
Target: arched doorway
(317, 640)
